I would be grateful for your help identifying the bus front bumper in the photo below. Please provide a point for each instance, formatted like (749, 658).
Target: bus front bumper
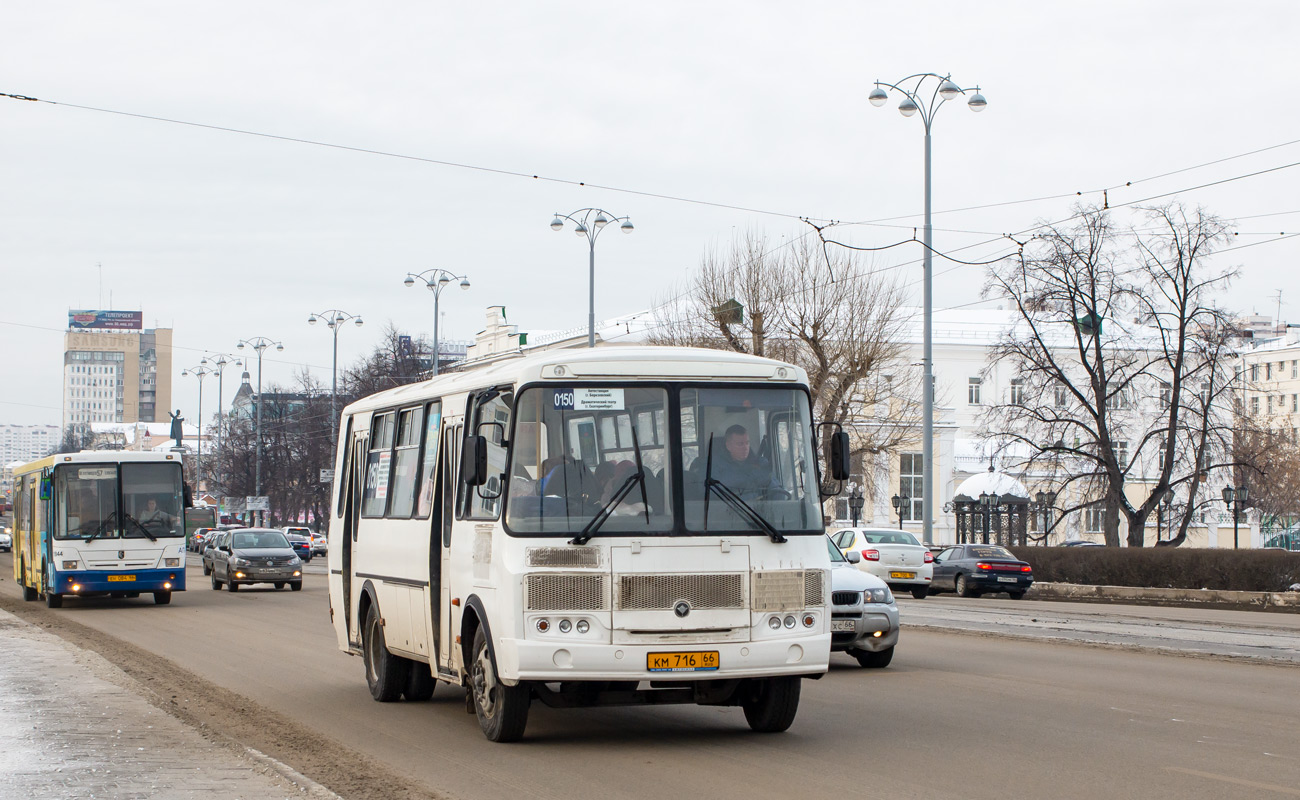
(530, 660)
(82, 582)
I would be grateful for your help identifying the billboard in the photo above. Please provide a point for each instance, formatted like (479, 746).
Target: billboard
(85, 319)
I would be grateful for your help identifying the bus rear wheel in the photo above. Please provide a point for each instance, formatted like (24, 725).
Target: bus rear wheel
(385, 673)
(772, 704)
(53, 600)
(502, 710)
(162, 598)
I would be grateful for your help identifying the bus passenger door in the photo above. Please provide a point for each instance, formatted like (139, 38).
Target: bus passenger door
(352, 517)
(446, 516)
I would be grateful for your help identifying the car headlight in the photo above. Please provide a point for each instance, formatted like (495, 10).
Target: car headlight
(239, 562)
(295, 561)
(882, 595)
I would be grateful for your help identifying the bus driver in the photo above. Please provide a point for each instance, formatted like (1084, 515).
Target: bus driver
(741, 471)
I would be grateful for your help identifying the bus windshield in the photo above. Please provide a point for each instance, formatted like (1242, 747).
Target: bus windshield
(597, 461)
(112, 501)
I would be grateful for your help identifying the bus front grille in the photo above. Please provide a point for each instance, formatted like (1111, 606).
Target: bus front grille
(558, 592)
(563, 557)
(789, 589)
(653, 592)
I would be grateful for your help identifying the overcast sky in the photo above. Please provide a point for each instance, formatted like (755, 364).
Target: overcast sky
(755, 105)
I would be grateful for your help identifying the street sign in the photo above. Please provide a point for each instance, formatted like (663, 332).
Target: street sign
(326, 476)
(257, 504)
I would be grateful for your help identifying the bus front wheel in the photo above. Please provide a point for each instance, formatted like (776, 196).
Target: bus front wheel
(162, 598)
(53, 600)
(385, 673)
(772, 704)
(502, 710)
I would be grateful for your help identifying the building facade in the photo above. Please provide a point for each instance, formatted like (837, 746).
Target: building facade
(116, 375)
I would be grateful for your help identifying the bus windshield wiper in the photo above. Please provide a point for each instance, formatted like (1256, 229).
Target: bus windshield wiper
(102, 527)
(142, 528)
(733, 500)
(589, 530)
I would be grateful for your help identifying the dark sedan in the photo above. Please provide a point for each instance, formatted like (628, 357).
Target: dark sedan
(973, 569)
(255, 555)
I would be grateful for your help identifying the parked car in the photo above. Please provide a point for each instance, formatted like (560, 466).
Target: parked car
(1081, 543)
(974, 569)
(6, 540)
(211, 544)
(255, 555)
(864, 616)
(893, 555)
(318, 540)
(300, 544)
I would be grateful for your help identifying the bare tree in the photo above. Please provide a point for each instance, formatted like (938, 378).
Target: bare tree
(77, 436)
(824, 311)
(1121, 354)
(395, 361)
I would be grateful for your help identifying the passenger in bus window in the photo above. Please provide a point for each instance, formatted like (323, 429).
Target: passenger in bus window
(740, 469)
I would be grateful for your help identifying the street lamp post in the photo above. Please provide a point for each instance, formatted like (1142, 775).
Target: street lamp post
(856, 501)
(219, 362)
(200, 372)
(259, 343)
(900, 502)
(335, 318)
(1162, 513)
(590, 227)
(1235, 499)
(435, 280)
(913, 101)
(990, 504)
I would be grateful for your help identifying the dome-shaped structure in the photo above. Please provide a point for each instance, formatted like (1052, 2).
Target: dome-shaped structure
(992, 507)
(991, 482)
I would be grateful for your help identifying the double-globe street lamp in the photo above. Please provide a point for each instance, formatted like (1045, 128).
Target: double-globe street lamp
(1235, 499)
(900, 503)
(915, 101)
(856, 501)
(201, 371)
(1044, 502)
(589, 222)
(334, 319)
(259, 343)
(435, 280)
(218, 363)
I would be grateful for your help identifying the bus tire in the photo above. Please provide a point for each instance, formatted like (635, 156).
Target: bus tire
(385, 673)
(419, 681)
(502, 710)
(772, 704)
(29, 593)
(162, 598)
(53, 600)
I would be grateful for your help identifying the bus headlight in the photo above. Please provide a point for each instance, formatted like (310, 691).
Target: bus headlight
(789, 621)
(69, 564)
(172, 562)
(583, 626)
(774, 623)
(565, 626)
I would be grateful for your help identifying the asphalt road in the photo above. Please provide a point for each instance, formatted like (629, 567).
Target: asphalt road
(957, 715)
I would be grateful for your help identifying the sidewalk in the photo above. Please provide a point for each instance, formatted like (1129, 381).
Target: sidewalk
(72, 725)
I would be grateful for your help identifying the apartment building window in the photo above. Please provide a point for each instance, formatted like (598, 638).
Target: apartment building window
(1062, 397)
(1294, 406)
(1254, 372)
(973, 391)
(1166, 394)
(1295, 369)
(1121, 454)
(911, 484)
(1254, 405)
(1017, 391)
(1268, 403)
(1268, 371)
(1092, 519)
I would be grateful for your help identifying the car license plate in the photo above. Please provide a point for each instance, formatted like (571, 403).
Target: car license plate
(682, 662)
(1005, 579)
(842, 625)
(114, 578)
(902, 574)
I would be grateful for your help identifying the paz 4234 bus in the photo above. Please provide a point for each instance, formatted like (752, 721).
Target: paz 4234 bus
(100, 523)
(615, 526)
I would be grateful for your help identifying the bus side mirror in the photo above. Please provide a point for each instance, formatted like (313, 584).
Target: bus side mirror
(840, 456)
(189, 495)
(473, 461)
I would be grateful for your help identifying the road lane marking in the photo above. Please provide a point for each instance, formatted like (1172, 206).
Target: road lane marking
(1268, 787)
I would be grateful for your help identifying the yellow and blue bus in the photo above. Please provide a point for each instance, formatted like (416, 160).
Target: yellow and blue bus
(100, 523)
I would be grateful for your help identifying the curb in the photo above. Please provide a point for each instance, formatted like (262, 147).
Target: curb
(1282, 601)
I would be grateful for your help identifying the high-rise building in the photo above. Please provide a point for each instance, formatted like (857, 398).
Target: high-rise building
(114, 369)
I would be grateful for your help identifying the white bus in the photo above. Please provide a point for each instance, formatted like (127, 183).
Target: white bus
(99, 523)
(632, 525)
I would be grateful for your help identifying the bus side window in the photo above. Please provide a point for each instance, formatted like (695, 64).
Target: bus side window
(379, 463)
(484, 502)
(450, 465)
(340, 478)
(429, 460)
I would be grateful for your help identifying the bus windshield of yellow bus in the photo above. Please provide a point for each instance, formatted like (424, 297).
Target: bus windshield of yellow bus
(111, 501)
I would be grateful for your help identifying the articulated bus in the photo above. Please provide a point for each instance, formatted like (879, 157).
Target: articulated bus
(614, 526)
(99, 523)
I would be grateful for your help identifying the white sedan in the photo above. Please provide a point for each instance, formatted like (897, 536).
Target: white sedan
(893, 555)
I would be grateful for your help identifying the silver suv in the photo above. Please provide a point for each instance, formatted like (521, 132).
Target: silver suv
(864, 615)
